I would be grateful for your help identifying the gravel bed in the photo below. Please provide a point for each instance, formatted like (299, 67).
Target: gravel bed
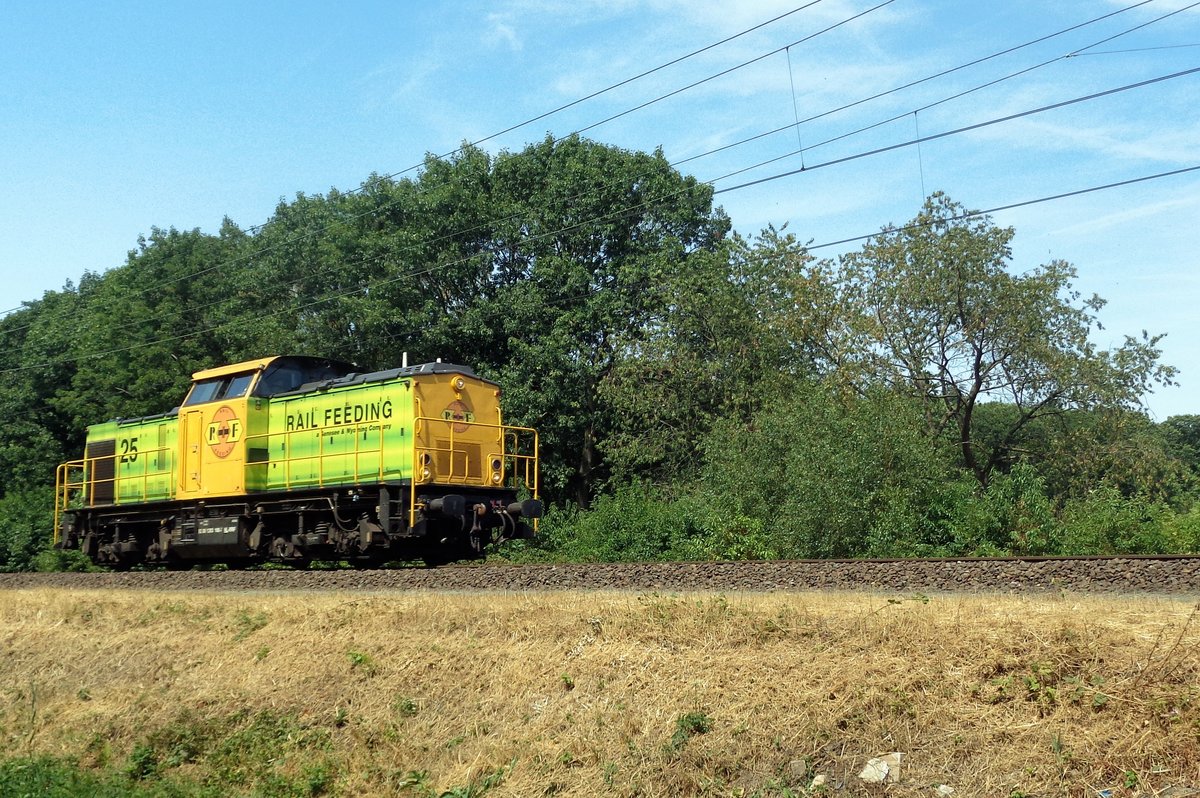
(1179, 576)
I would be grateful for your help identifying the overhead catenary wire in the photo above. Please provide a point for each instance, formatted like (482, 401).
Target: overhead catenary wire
(935, 76)
(955, 131)
(1009, 207)
(452, 234)
(358, 288)
(372, 285)
(659, 98)
(954, 96)
(314, 233)
(1139, 49)
(786, 48)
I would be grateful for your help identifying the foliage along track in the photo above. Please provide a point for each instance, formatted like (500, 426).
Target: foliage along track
(1121, 574)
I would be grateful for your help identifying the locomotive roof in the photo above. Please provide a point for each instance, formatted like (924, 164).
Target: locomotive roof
(351, 378)
(234, 368)
(261, 363)
(388, 374)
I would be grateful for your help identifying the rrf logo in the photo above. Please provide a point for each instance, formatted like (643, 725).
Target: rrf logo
(458, 413)
(224, 431)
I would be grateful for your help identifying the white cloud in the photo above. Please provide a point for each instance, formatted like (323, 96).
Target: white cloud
(501, 32)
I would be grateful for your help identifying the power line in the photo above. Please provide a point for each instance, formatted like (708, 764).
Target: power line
(934, 76)
(956, 131)
(375, 284)
(453, 234)
(952, 97)
(320, 230)
(998, 208)
(742, 65)
(1138, 49)
(786, 48)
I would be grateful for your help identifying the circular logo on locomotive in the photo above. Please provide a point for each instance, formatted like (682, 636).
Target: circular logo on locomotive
(457, 412)
(224, 431)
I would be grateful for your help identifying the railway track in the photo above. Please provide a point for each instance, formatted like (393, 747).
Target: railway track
(1171, 575)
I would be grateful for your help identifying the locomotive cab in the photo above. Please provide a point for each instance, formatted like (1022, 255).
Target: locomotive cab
(219, 418)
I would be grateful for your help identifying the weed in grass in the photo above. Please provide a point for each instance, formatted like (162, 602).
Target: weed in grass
(567, 682)
(247, 624)
(254, 746)
(261, 654)
(97, 753)
(480, 786)
(315, 780)
(143, 762)
(405, 707)
(361, 661)
(415, 780)
(65, 778)
(688, 726)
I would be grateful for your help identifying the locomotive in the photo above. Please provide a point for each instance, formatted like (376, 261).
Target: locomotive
(292, 459)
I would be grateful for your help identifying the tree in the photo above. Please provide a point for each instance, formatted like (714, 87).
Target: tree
(732, 332)
(589, 235)
(534, 267)
(940, 316)
(1183, 436)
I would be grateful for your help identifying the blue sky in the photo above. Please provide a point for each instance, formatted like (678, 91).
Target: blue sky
(119, 117)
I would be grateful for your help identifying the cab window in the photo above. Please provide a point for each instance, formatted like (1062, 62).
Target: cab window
(279, 379)
(238, 386)
(219, 388)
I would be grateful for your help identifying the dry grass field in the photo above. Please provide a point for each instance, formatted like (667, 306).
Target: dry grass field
(582, 694)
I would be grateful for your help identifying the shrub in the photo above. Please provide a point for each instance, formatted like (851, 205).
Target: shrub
(822, 476)
(26, 521)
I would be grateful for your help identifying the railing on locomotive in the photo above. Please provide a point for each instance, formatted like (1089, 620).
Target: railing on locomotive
(519, 463)
(75, 483)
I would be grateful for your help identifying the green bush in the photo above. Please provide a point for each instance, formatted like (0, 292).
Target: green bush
(26, 524)
(1105, 522)
(826, 477)
(1013, 515)
(636, 522)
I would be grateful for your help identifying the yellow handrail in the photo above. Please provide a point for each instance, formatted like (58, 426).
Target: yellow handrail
(63, 485)
(518, 469)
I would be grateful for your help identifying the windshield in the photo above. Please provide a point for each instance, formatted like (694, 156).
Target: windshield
(219, 388)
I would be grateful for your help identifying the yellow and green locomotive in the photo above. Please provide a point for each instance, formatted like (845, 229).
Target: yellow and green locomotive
(291, 459)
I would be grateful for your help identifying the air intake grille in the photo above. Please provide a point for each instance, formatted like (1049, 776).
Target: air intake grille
(463, 464)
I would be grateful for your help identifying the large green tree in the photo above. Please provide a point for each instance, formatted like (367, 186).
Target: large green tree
(734, 331)
(941, 314)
